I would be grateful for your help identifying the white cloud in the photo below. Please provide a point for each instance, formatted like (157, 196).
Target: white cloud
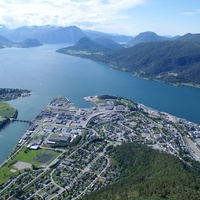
(125, 4)
(188, 13)
(85, 13)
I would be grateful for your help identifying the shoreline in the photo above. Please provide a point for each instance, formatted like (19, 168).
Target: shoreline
(134, 73)
(112, 110)
(153, 79)
(6, 121)
(8, 94)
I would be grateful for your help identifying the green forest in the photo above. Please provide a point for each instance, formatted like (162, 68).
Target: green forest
(170, 61)
(174, 61)
(147, 174)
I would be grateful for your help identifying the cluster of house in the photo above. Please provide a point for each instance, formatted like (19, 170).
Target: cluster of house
(109, 105)
(53, 125)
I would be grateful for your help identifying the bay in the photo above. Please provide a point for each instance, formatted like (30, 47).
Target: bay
(49, 74)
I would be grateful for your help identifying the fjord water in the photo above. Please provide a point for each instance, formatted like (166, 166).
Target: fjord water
(49, 74)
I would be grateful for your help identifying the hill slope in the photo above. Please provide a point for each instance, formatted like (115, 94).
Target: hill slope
(147, 174)
(176, 62)
(47, 34)
(94, 49)
(115, 37)
(169, 61)
(189, 37)
(109, 44)
(86, 44)
(4, 41)
(147, 37)
(30, 43)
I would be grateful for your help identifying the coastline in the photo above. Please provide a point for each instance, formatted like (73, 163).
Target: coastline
(125, 70)
(4, 123)
(7, 112)
(175, 84)
(108, 110)
(7, 121)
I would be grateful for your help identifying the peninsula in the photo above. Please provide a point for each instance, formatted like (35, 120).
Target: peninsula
(173, 61)
(71, 153)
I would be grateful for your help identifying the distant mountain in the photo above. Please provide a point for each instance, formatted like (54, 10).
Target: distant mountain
(189, 37)
(86, 47)
(108, 43)
(147, 37)
(30, 43)
(4, 31)
(56, 34)
(47, 34)
(21, 33)
(4, 41)
(115, 37)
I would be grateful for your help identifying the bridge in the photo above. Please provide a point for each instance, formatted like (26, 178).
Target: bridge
(20, 120)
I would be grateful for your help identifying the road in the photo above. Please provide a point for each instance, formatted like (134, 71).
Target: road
(191, 144)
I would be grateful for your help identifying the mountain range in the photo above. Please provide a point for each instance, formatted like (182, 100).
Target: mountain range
(72, 34)
(175, 60)
(56, 34)
(4, 40)
(170, 59)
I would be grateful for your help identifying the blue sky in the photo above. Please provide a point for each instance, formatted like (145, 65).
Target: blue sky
(165, 17)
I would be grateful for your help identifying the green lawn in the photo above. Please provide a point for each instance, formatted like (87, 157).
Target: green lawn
(29, 156)
(6, 110)
(35, 156)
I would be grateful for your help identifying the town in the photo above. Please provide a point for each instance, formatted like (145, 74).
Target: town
(64, 154)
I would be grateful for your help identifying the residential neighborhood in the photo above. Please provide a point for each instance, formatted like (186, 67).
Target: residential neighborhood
(64, 153)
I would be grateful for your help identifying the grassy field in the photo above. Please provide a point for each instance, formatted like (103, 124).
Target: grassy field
(35, 157)
(6, 110)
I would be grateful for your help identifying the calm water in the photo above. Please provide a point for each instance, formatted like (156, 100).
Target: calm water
(49, 74)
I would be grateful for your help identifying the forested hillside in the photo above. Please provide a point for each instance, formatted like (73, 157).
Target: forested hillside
(147, 37)
(147, 174)
(171, 61)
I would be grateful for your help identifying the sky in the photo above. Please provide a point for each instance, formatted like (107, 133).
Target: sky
(130, 17)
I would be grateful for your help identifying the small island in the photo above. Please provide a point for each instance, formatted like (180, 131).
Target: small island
(7, 94)
(27, 43)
